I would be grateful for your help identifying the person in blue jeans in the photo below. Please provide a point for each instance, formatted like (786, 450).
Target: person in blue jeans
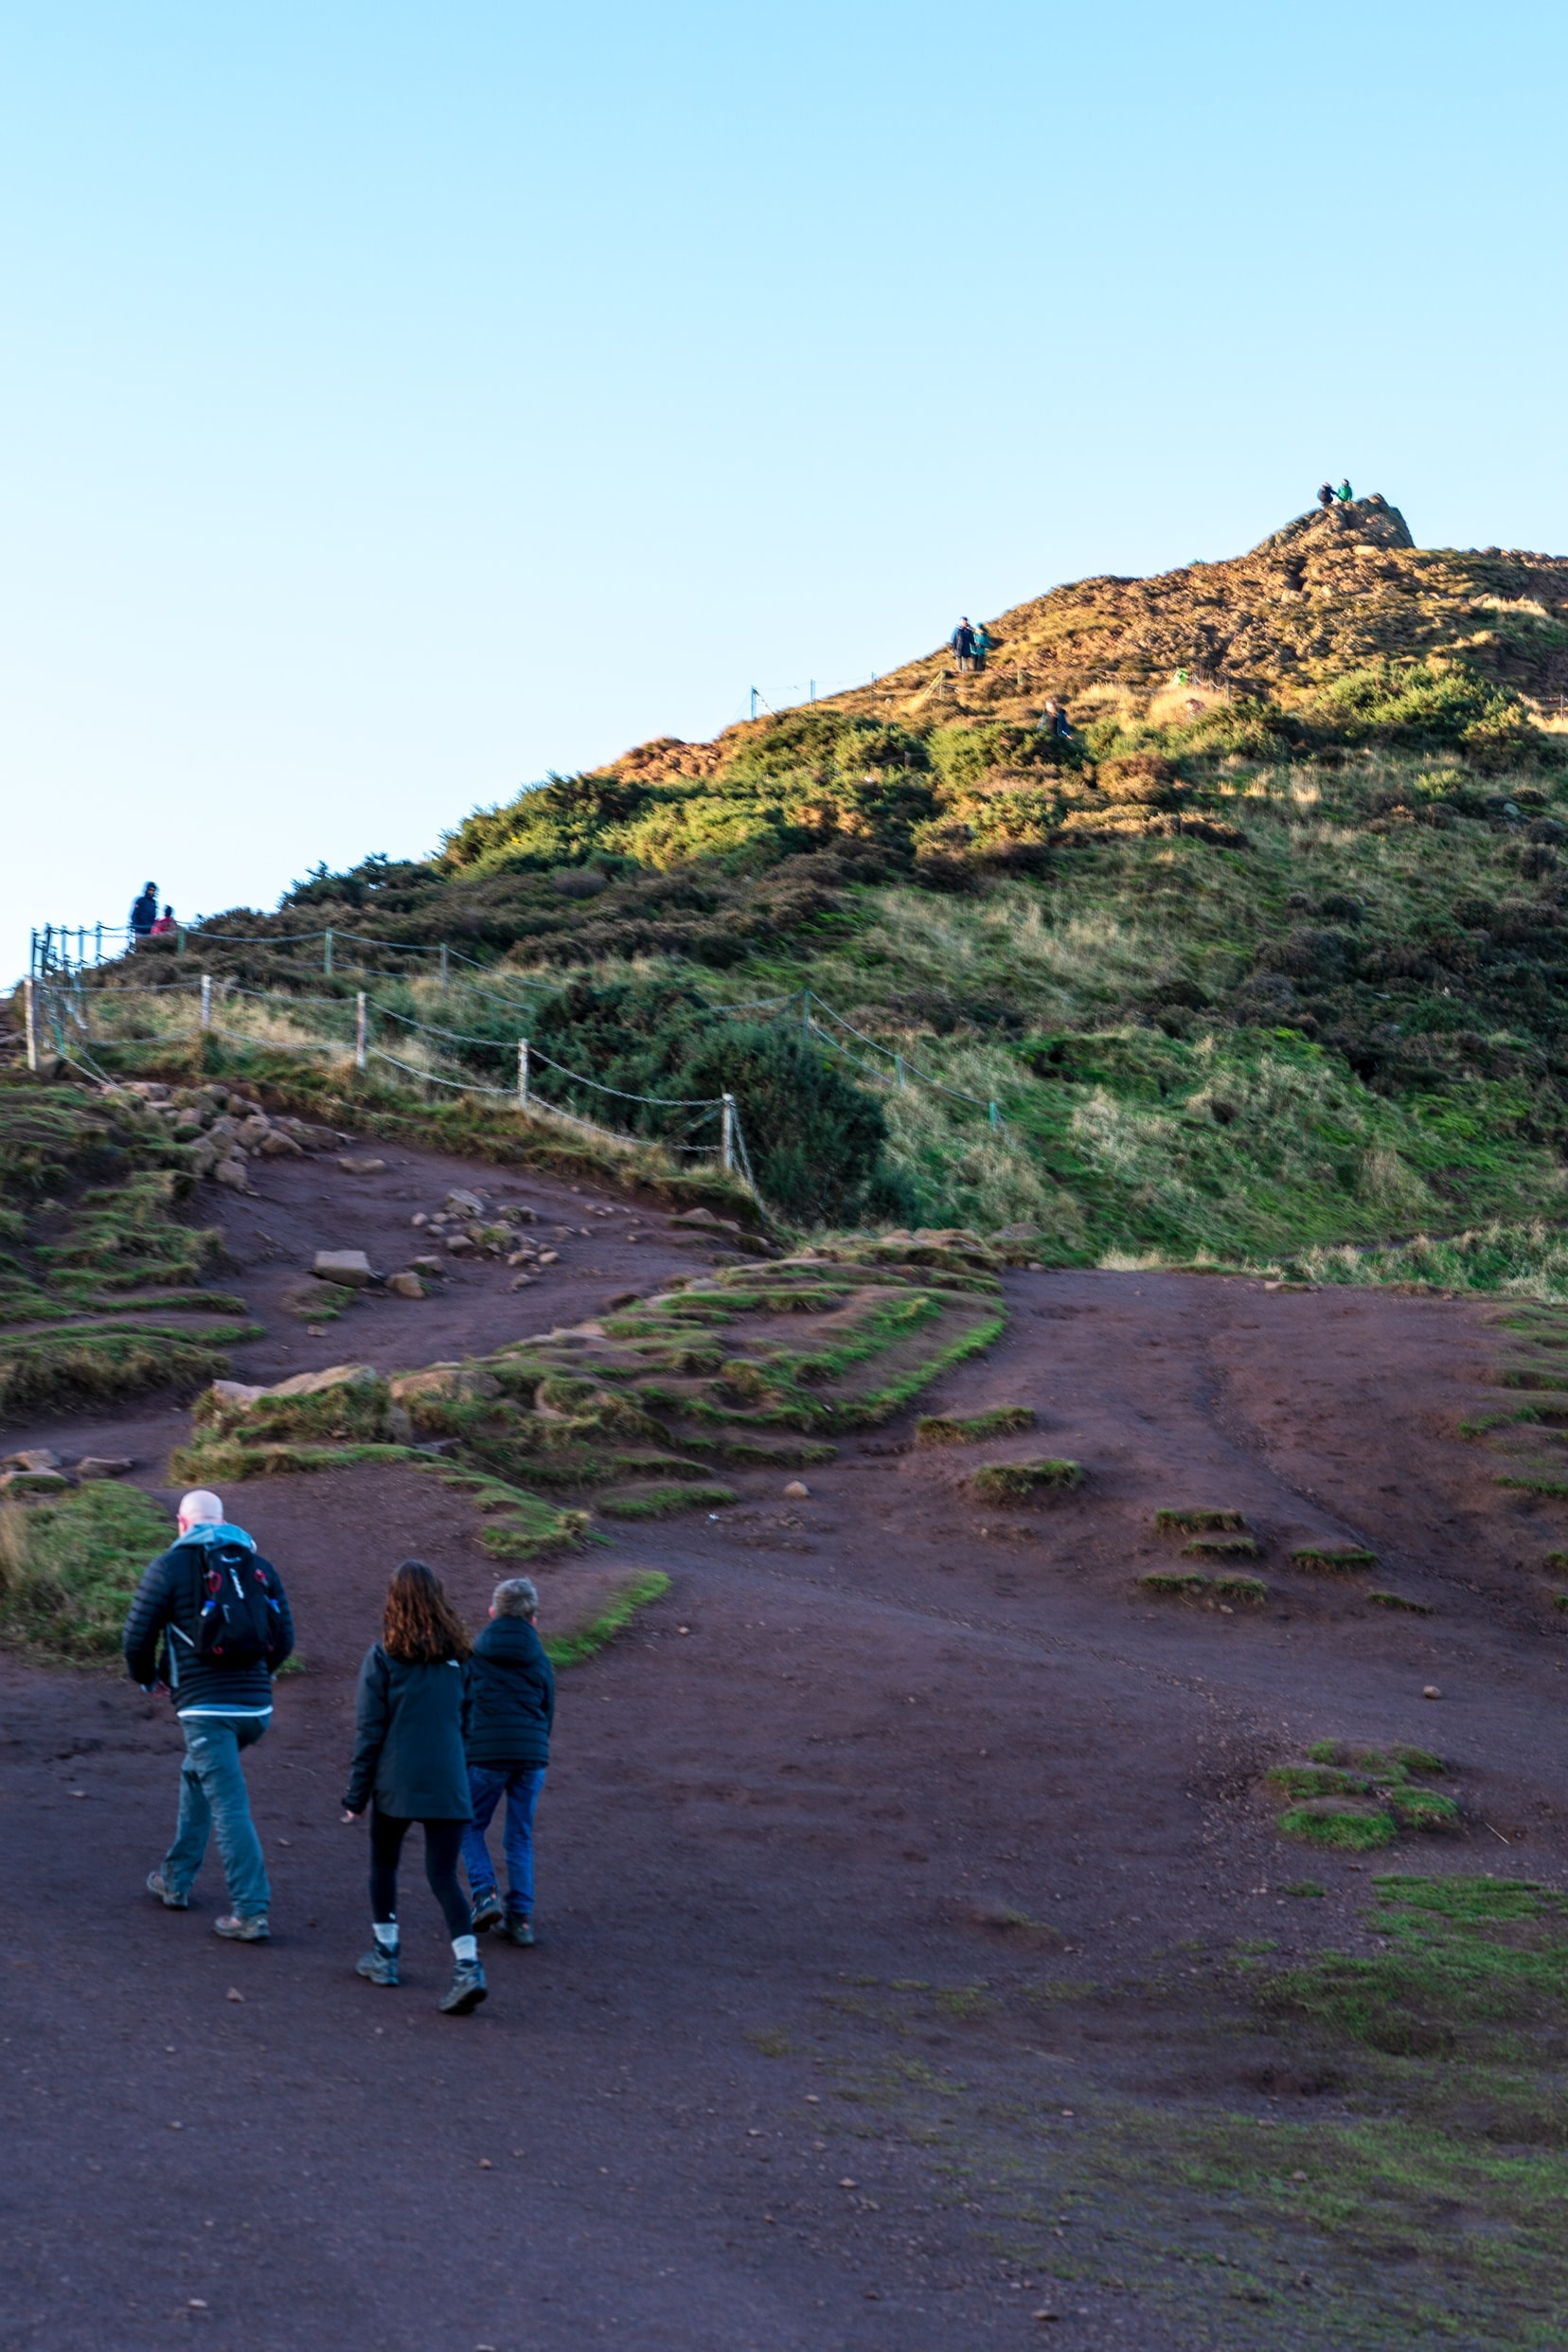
(508, 1710)
(210, 1621)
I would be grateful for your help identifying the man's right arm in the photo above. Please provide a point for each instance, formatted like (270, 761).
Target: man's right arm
(144, 1622)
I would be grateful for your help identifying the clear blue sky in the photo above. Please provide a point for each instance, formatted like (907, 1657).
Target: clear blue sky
(400, 402)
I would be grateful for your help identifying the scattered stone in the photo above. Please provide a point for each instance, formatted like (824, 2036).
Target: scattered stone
(458, 1244)
(315, 1139)
(1432, 1691)
(254, 1130)
(427, 1265)
(239, 1393)
(105, 1466)
(234, 1994)
(235, 1174)
(406, 1286)
(315, 1330)
(549, 1258)
(32, 1458)
(352, 1167)
(521, 1282)
(703, 1217)
(797, 1490)
(419, 1218)
(463, 1203)
(275, 1145)
(351, 1268)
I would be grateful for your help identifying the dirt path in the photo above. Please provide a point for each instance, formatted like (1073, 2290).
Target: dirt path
(884, 1768)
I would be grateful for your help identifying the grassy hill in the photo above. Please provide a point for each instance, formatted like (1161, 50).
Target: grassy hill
(1270, 956)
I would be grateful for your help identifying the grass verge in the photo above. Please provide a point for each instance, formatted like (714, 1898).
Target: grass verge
(568, 1650)
(69, 1567)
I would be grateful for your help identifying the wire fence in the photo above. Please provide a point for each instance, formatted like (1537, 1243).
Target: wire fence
(65, 1012)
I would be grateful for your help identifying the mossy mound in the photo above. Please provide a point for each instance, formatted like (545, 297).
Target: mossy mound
(1025, 1482)
(1332, 1559)
(1199, 1522)
(1222, 1547)
(970, 1430)
(1358, 1798)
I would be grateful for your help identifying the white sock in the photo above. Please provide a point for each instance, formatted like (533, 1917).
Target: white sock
(386, 1934)
(465, 1948)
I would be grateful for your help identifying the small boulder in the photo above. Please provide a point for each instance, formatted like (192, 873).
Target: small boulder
(459, 1245)
(275, 1145)
(353, 1166)
(235, 1174)
(240, 1394)
(463, 1203)
(797, 1490)
(105, 1466)
(351, 1268)
(32, 1458)
(317, 1383)
(254, 1130)
(444, 1380)
(406, 1286)
(705, 1216)
(426, 1265)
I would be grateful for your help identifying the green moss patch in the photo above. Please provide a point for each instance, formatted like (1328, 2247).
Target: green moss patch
(1401, 1600)
(1199, 1522)
(970, 1430)
(1022, 1482)
(1332, 1559)
(1220, 1547)
(1332, 1820)
(1173, 1583)
(663, 1502)
(569, 1650)
(68, 1568)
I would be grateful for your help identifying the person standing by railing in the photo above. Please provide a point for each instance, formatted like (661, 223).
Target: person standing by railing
(144, 914)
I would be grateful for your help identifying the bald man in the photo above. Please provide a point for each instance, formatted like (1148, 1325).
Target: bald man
(210, 1622)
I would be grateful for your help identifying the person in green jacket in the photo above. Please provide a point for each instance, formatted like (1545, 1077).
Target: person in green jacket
(983, 643)
(1345, 493)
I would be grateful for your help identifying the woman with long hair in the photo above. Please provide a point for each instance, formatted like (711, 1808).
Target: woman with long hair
(409, 1766)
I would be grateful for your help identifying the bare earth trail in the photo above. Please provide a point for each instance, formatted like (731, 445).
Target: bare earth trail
(863, 1732)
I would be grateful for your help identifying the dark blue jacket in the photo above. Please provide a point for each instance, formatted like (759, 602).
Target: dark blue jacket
(408, 1743)
(510, 1696)
(962, 642)
(159, 1641)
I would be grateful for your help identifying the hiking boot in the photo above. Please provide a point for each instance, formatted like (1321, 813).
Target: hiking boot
(468, 1989)
(157, 1885)
(253, 1930)
(379, 1967)
(518, 1930)
(488, 1911)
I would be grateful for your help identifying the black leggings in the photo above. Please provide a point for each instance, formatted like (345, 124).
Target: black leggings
(443, 1844)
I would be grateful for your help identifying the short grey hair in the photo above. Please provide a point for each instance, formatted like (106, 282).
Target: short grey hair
(517, 1598)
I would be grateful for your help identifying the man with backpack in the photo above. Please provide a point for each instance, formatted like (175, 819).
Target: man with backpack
(962, 643)
(211, 1620)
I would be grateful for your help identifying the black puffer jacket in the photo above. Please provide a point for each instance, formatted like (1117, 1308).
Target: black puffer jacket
(159, 1640)
(408, 1745)
(510, 1696)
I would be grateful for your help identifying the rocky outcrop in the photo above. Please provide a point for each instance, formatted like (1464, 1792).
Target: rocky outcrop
(1371, 519)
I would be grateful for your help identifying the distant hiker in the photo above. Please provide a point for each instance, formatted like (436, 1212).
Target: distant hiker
(1053, 723)
(144, 913)
(1344, 493)
(506, 1733)
(165, 924)
(962, 642)
(211, 1621)
(983, 643)
(409, 1766)
(1326, 494)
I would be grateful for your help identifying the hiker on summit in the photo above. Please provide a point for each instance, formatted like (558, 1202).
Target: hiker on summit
(1345, 493)
(409, 1766)
(1325, 495)
(144, 913)
(962, 642)
(507, 1733)
(210, 1622)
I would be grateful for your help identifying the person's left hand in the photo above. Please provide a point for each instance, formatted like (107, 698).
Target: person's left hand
(348, 1816)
